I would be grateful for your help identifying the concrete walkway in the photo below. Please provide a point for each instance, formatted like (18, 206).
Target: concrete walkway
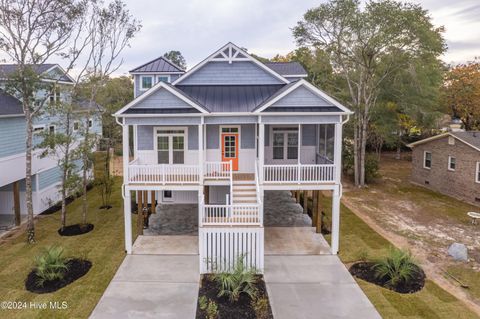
(152, 286)
(312, 287)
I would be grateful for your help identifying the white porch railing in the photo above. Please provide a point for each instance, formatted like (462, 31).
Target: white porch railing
(299, 173)
(163, 174)
(217, 170)
(230, 215)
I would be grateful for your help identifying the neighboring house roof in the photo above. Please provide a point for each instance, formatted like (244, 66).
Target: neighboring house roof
(158, 65)
(230, 98)
(7, 69)
(9, 105)
(287, 69)
(470, 138)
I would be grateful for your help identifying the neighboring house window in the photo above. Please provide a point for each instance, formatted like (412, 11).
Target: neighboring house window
(427, 160)
(451, 163)
(477, 173)
(38, 129)
(163, 78)
(76, 126)
(55, 95)
(51, 129)
(90, 123)
(146, 82)
(285, 143)
(451, 140)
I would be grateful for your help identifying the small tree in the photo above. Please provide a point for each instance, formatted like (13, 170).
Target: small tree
(177, 58)
(60, 144)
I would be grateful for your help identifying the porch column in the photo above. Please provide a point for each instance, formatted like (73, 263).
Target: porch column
(135, 141)
(125, 152)
(16, 202)
(299, 171)
(337, 157)
(335, 219)
(128, 221)
(200, 151)
(261, 150)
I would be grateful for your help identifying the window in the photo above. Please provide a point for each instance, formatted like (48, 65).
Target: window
(163, 78)
(51, 129)
(477, 173)
(146, 82)
(326, 143)
(229, 129)
(54, 95)
(90, 123)
(451, 163)
(38, 129)
(171, 146)
(76, 126)
(167, 196)
(451, 140)
(427, 160)
(285, 143)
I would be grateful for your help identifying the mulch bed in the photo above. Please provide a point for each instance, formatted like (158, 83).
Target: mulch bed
(76, 269)
(242, 309)
(74, 230)
(106, 207)
(365, 271)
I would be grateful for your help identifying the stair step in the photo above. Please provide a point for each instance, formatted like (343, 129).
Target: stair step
(249, 182)
(244, 194)
(244, 201)
(244, 187)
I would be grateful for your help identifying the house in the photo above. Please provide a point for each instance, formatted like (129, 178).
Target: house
(449, 163)
(221, 134)
(46, 173)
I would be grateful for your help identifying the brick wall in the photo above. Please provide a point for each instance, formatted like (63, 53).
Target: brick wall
(459, 183)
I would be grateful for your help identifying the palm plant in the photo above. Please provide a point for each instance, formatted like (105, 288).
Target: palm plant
(50, 265)
(397, 267)
(240, 280)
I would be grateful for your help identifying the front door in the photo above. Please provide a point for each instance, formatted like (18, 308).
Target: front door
(230, 139)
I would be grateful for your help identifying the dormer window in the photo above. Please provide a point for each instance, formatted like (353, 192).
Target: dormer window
(146, 82)
(163, 78)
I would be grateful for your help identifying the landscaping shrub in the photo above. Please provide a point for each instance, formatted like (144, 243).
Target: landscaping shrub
(209, 306)
(261, 307)
(50, 265)
(240, 280)
(398, 267)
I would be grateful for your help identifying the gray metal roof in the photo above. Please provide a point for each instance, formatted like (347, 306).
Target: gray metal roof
(287, 68)
(160, 64)
(230, 98)
(7, 69)
(471, 137)
(9, 105)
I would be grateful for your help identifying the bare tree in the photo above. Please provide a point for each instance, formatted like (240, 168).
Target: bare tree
(31, 32)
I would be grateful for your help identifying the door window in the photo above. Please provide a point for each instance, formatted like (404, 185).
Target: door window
(230, 146)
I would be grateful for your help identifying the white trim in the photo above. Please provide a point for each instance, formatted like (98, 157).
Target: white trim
(220, 144)
(310, 87)
(411, 145)
(449, 167)
(152, 77)
(295, 75)
(155, 73)
(35, 128)
(156, 87)
(229, 114)
(231, 58)
(477, 173)
(425, 159)
(11, 115)
(54, 128)
(167, 199)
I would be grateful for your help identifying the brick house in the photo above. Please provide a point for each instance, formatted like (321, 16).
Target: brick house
(449, 163)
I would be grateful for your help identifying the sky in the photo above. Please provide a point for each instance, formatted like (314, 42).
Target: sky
(199, 27)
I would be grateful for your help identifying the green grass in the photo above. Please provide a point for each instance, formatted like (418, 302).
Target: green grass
(104, 247)
(357, 239)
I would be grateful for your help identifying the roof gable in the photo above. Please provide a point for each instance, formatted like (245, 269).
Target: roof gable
(9, 105)
(158, 65)
(163, 96)
(227, 55)
(471, 139)
(51, 72)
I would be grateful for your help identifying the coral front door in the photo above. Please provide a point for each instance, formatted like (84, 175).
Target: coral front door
(230, 146)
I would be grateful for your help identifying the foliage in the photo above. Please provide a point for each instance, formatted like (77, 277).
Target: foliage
(397, 267)
(50, 265)
(371, 162)
(368, 45)
(261, 307)
(209, 306)
(177, 58)
(371, 168)
(237, 282)
(461, 94)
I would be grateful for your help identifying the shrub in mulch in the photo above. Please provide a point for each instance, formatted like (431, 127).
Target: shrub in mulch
(106, 207)
(244, 308)
(74, 230)
(76, 268)
(366, 271)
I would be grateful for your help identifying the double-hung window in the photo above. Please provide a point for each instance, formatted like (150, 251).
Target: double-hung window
(452, 163)
(427, 160)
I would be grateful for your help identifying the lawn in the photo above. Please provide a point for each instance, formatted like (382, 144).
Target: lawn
(357, 241)
(104, 247)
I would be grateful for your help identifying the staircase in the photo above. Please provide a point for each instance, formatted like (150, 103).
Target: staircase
(244, 192)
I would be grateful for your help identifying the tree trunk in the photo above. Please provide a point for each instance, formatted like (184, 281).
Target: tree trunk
(85, 168)
(28, 173)
(363, 146)
(16, 203)
(399, 145)
(356, 167)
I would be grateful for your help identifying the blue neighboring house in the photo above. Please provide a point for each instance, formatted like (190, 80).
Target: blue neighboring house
(46, 173)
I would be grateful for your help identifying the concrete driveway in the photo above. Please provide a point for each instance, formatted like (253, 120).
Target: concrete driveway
(312, 287)
(152, 286)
